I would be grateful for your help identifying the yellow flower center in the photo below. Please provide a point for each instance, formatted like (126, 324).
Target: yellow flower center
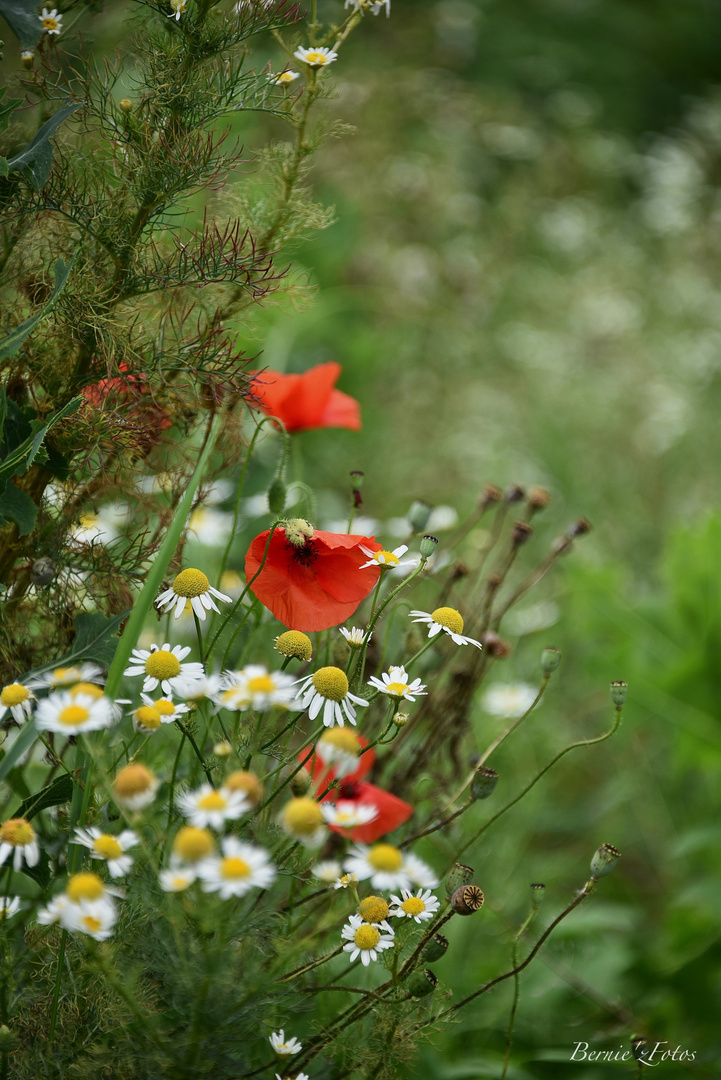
(107, 847)
(148, 717)
(398, 689)
(50, 24)
(14, 694)
(212, 801)
(331, 682)
(386, 558)
(91, 924)
(449, 618)
(84, 887)
(192, 844)
(63, 675)
(234, 868)
(341, 738)
(17, 832)
(294, 643)
(261, 684)
(413, 905)
(317, 58)
(247, 782)
(73, 715)
(373, 909)
(366, 936)
(87, 688)
(162, 664)
(285, 77)
(133, 780)
(190, 583)
(164, 707)
(302, 816)
(385, 857)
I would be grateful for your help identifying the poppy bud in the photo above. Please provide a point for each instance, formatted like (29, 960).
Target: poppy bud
(428, 545)
(435, 949)
(604, 860)
(357, 477)
(550, 659)
(619, 691)
(418, 515)
(467, 900)
(421, 983)
(484, 782)
(301, 782)
(276, 497)
(459, 875)
(538, 891)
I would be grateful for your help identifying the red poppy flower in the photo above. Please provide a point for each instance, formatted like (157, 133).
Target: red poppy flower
(311, 585)
(392, 811)
(306, 401)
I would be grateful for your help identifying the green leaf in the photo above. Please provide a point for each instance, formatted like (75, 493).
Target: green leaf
(17, 506)
(7, 108)
(12, 343)
(94, 640)
(37, 157)
(3, 166)
(22, 18)
(24, 741)
(55, 794)
(41, 871)
(22, 457)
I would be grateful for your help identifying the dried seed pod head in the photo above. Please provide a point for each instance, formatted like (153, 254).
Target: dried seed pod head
(604, 860)
(459, 875)
(277, 493)
(580, 528)
(496, 646)
(484, 782)
(460, 570)
(550, 659)
(427, 546)
(467, 900)
(419, 514)
(522, 532)
(43, 571)
(435, 949)
(515, 494)
(421, 983)
(490, 494)
(538, 891)
(538, 497)
(619, 692)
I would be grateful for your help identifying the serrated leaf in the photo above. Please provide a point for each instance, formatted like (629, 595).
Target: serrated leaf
(37, 157)
(13, 341)
(17, 506)
(55, 794)
(22, 18)
(22, 457)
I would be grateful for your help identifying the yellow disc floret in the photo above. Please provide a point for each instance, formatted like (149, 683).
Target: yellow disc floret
(385, 857)
(261, 684)
(246, 782)
(190, 583)
(84, 887)
(373, 909)
(133, 780)
(232, 867)
(88, 688)
(14, 694)
(63, 675)
(107, 847)
(164, 707)
(212, 801)
(192, 844)
(302, 816)
(331, 682)
(366, 936)
(17, 832)
(148, 717)
(73, 715)
(294, 643)
(413, 905)
(162, 664)
(449, 618)
(341, 738)
(397, 689)
(317, 58)
(386, 558)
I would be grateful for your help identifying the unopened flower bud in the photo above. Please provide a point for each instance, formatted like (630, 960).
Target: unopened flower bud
(223, 749)
(604, 860)
(580, 528)
(550, 659)
(467, 900)
(28, 58)
(301, 782)
(401, 719)
(490, 494)
(484, 782)
(421, 983)
(538, 891)
(522, 532)
(276, 497)
(515, 494)
(538, 497)
(125, 105)
(356, 478)
(428, 545)
(435, 949)
(298, 531)
(418, 515)
(619, 692)
(459, 875)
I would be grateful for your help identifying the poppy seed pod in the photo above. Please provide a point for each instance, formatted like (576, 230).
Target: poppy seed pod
(428, 545)
(467, 900)
(550, 659)
(538, 891)
(484, 782)
(418, 515)
(435, 949)
(459, 875)
(604, 860)
(421, 983)
(619, 692)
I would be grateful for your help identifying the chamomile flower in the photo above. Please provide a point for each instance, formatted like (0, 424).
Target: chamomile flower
(315, 57)
(17, 838)
(190, 585)
(366, 940)
(176, 880)
(298, 1076)
(135, 786)
(340, 748)
(169, 710)
(395, 683)
(96, 918)
(62, 677)
(9, 906)
(355, 637)
(302, 818)
(328, 871)
(240, 868)
(386, 559)
(449, 621)
(256, 688)
(197, 688)
(285, 78)
(163, 666)
(420, 907)
(54, 911)
(346, 881)
(388, 867)
(72, 714)
(208, 807)
(508, 700)
(52, 22)
(178, 7)
(294, 643)
(108, 847)
(18, 698)
(348, 815)
(327, 689)
(282, 1046)
(374, 6)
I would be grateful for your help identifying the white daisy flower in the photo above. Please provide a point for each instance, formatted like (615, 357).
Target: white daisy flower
(302, 818)
(278, 1042)
(135, 786)
(199, 688)
(18, 699)
(163, 666)
(256, 688)
(52, 23)
(447, 619)
(108, 847)
(9, 906)
(374, 6)
(327, 689)
(54, 911)
(285, 78)
(96, 918)
(420, 907)
(388, 867)
(395, 683)
(508, 700)
(355, 637)
(176, 879)
(190, 585)
(340, 748)
(366, 939)
(328, 871)
(17, 838)
(178, 7)
(346, 881)
(72, 714)
(298, 1076)
(208, 807)
(386, 559)
(240, 868)
(316, 57)
(169, 710)
(210, 527)
(348, 815)
(62, 677)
